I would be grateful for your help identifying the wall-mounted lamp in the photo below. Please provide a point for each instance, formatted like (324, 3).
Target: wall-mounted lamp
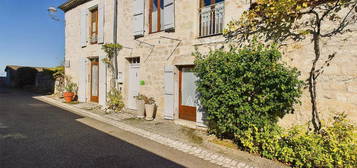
(52, 12)
(52, 9)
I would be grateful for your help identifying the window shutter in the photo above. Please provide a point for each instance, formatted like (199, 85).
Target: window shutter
(84, 25)
(138, 19)
(102, 82)
(169, 15)
(101, 23)
(82, 80)
(169, 92)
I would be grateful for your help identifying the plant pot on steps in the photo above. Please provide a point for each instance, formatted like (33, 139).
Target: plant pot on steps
(149, 109)
(68, 96)
(140, 104)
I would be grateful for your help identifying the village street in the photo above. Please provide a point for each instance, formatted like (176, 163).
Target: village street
(35, 134)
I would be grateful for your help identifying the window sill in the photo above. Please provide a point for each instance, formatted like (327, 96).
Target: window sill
(209, 40)
(199, 37)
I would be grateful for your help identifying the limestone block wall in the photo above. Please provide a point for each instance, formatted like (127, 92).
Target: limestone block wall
(337, 91)
(165, 48)
(73, 50)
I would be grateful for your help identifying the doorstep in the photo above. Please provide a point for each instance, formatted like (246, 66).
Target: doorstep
(174, 134)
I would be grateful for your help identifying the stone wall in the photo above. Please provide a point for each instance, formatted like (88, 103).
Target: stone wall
(337, 90)
(166, 48)
(74, 52)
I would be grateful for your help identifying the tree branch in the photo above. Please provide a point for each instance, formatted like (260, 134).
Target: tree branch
(344, 23)
(328, 10)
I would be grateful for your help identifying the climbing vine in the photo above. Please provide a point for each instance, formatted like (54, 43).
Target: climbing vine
(112, 51)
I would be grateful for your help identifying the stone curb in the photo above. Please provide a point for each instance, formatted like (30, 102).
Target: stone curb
(212, 157)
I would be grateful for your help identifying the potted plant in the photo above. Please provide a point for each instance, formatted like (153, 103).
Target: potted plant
(69, 91)
(149, 108)
(140, 104)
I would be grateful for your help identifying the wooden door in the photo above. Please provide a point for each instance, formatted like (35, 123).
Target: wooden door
(94, 92)
(187, 94)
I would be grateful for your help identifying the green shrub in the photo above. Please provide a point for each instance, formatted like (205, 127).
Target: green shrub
(244, 87)
(334, 146)
(115, 100)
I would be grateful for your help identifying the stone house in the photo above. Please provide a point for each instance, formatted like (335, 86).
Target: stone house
(26, 76)
(158, 39)
(13, 76)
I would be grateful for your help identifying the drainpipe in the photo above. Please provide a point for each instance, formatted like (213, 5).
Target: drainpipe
(115, 35)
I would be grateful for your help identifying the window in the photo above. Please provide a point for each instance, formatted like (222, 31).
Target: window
(135, 60)
(94, 26)
(211, 17)
(156, 17)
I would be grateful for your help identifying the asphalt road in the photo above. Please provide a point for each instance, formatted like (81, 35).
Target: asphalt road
(35, 135)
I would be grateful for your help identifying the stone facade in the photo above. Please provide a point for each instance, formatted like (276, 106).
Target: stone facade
(337, 90)
(74, 52)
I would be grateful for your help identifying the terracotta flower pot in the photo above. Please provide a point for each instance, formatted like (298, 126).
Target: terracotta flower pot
(149, 110)
(68, 96)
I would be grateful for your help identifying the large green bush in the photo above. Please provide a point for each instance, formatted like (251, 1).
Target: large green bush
(244, 87)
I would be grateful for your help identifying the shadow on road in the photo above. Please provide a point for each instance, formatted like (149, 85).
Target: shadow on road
(35, 134)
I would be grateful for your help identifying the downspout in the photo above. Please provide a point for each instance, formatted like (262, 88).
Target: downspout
(115, 35)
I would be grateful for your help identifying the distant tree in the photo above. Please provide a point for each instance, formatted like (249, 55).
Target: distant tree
(279, 21)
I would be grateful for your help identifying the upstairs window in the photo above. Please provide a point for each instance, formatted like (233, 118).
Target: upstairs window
(211, 17)
(156, 16)
(94, 26)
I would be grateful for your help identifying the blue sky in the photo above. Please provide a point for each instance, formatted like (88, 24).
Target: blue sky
(28, 36)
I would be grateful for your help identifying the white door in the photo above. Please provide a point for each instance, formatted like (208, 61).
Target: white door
(134, 68)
